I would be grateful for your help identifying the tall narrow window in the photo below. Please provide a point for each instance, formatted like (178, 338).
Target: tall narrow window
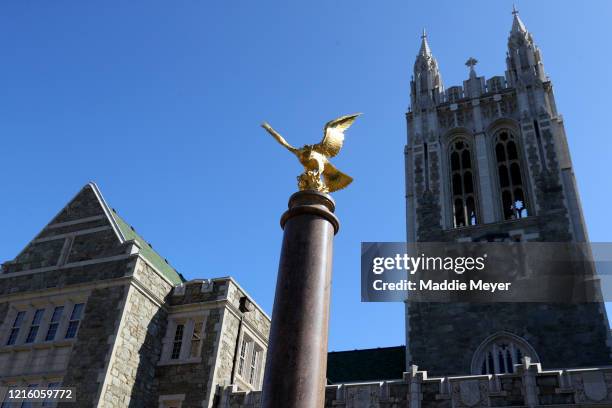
(28, 403)
(462, 184)
(178, 342)
(15, 329)
(35, 325)
(75, 319)
(50, 402)
(6, 401)
(508, 355)
(253, 368)
(509, 175)
(243, 352)
(54, 323)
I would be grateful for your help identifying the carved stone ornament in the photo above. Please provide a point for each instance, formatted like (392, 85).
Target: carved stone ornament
(471, 393)
(591, 386)
(362, 397)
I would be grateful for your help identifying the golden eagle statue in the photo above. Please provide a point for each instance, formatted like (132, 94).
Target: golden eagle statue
(315, 158)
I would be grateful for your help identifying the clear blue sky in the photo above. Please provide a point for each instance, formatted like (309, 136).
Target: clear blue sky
(160, 103)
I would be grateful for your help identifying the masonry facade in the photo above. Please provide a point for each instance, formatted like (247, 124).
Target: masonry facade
(489, 161)
(89, 304)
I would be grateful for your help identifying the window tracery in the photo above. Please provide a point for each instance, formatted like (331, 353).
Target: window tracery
(462, 184)
(512, 191)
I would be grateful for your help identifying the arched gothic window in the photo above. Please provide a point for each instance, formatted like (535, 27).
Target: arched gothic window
(500, 353)
(513, 197)
(462, 184)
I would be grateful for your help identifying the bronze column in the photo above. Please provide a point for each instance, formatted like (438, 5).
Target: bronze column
(296, 364)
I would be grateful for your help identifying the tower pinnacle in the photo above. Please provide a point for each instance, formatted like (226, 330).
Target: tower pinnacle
(425, 50)
(517, 23)
(426, 84)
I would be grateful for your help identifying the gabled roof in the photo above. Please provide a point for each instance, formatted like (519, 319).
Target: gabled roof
(387, 363)
(87, 207)
(127, 233)
(155, 259)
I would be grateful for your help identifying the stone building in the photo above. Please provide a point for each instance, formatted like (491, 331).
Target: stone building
(90, 304)
(489, 161)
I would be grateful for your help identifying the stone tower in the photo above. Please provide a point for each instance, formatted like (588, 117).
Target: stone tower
(489, 161)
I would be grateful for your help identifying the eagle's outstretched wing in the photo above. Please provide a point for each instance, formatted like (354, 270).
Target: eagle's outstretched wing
(278, 137)
(334, 178)
(333, 135)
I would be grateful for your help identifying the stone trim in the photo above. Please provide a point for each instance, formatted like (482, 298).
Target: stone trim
(232, 280)
(103, 376)
(66, 266)
(210, 386)
(107, 211)
(49, 292)
(71, 234)
(529, 386)
(75, 222)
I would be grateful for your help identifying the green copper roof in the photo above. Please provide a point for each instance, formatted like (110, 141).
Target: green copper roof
(147, 251)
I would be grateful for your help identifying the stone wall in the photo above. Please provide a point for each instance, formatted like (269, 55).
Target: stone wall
(86, 366)
(529, 386)
(563, 335)
(64, 277)
(137, 345)
(194, 379)
(85, 204)
(228, 311)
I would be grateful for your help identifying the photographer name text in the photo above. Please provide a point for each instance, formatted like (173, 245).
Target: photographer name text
(445, 285)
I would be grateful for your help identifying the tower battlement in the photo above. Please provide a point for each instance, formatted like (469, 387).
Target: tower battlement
(488, 160)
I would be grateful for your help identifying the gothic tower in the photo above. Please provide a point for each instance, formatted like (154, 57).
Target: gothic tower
(489, 161)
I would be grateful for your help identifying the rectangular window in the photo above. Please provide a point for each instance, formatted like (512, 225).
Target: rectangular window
(35, 325)
(54, 323)
(5, 401)
(51, 386)
(178, 341)
(254, 357)
(28, 404)
(75, 319)
(243, 353)
(15, 328)
(196, 340)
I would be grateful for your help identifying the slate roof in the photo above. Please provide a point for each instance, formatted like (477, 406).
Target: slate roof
(387, 363)
(146, 250)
